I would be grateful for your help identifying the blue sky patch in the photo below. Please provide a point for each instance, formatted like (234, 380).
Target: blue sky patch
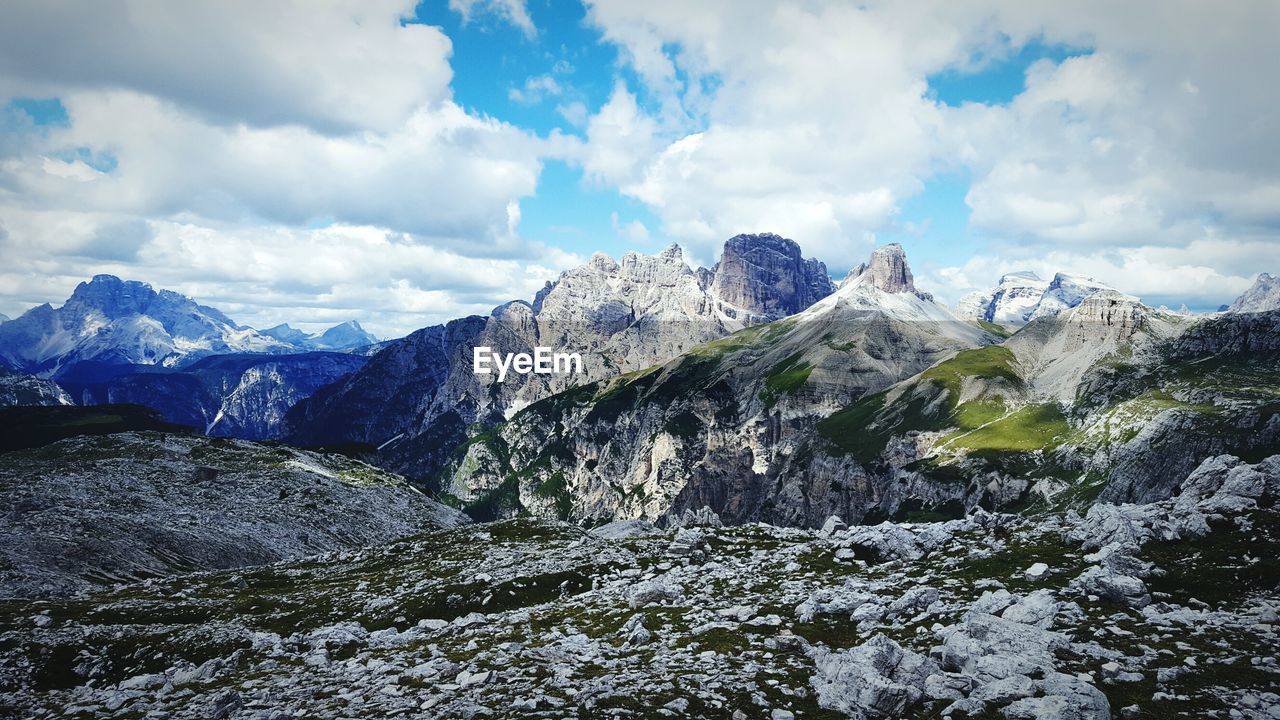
(997, 81)
(44, 112)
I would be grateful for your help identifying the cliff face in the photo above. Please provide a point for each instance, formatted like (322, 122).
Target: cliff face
(22, 389)
(243, 395)
(726, 424)
(415, 399)
(1263, 296)
(875, 403)
(766, 276)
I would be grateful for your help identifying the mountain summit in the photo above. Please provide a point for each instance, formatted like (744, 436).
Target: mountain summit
(1022, 296)
(345, 336)
(767, 276)
(887, 271)
(621, 315)
(121, 322)
(1264, 295)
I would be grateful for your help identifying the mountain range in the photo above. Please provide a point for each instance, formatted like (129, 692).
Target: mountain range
(1021, 297)
(118, 341)
(767, 495)
(416, 399)
(112, 322)
(737, 387)
(877, 402)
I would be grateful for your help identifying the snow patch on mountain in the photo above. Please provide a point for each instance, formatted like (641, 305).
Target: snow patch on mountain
(1020, 297)
(345, 336)
(22, 389)
(117, 322)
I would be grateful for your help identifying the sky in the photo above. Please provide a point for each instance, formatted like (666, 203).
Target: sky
(402, 164)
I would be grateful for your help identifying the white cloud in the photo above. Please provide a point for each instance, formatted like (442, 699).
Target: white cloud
(575, 112)
(1203, 274)
(347, 66)
(510, 11)
(814, 120)
(620, 138)
(262, 276)
(634, 233)
(280, 162)
(444, 175)
(811, 120)
(535, 89)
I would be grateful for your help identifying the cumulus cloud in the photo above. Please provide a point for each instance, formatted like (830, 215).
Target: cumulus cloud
(510, 11)
(271, 274)
(348, 66)
(811, 120)
(535, 90)
(815, 120)
(633, 232)
(284, 163)
(443, 175)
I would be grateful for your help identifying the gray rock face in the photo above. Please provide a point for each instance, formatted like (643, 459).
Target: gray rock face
(1264, 295)
(878, 679)
(22, 389)
(620, 316)
(721, 426)
(766, 276)
(93, 510)
(888, 271)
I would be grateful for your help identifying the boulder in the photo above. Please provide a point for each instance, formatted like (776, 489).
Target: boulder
(876, 679)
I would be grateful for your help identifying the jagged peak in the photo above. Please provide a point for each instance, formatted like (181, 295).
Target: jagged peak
(888, 270)
(602, 262)
(1262, 295)
(672, 252)
(748, 241)
(108, 283)
(506, 309)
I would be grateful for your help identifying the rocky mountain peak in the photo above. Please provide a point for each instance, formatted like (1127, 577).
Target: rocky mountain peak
(112, 296)
(1264, 295)
(887, 271)
(602, 262)
(1022, 296)
(766, 275)
(1104, 319)
(346, 335)
(672, 252)
(286, 333)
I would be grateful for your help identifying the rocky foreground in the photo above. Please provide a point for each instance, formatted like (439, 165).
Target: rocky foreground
(93, 510)
(1161, 610)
